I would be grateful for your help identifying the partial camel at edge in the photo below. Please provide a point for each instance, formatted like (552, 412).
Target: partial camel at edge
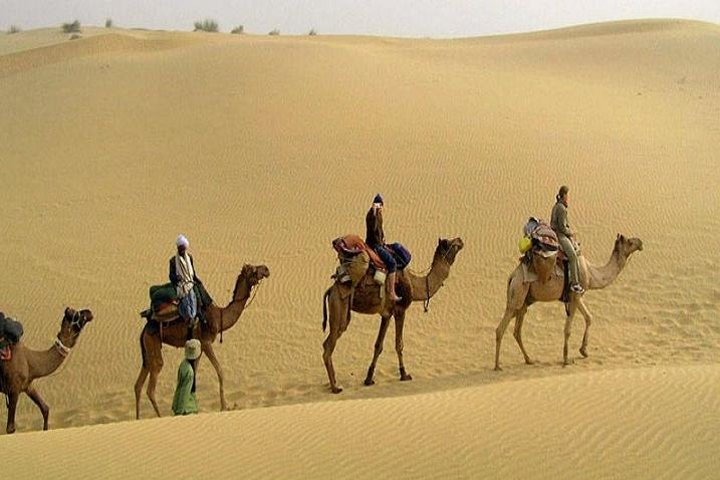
(27, 365)
(549, 288)
(367, 300)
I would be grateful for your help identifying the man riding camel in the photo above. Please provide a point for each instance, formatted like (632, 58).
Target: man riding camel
(375, 239)
(559, 223)
(184, 279)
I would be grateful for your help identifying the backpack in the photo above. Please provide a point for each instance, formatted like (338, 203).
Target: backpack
(402, 255)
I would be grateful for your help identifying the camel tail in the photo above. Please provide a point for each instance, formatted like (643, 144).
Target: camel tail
(325, 308)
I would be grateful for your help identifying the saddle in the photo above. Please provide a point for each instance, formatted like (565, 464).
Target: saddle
(164, 303)
(351, 245)
(10, 333)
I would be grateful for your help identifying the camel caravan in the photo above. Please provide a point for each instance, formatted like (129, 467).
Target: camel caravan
(372, 277)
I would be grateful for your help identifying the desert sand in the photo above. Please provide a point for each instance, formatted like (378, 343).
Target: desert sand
(263, 149)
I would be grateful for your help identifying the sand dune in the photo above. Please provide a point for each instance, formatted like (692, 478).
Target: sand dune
(641, 423)
(264, 149)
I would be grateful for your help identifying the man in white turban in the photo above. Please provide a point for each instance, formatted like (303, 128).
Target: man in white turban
(183, 277)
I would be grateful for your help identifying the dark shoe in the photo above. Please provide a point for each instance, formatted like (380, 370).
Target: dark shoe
(577, 288)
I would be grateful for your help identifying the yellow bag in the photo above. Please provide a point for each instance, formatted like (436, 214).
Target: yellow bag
(525, 244)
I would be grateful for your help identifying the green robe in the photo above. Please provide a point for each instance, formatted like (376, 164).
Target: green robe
(184, 401)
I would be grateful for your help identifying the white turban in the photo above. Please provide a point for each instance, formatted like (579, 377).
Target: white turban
(182, 241)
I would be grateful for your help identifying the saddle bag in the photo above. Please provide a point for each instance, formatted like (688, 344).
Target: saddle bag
(402, 255)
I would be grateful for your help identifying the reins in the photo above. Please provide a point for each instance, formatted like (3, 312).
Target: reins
(247, 305)
(426, 272)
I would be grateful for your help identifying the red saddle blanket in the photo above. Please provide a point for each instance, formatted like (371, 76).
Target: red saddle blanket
(354, 244)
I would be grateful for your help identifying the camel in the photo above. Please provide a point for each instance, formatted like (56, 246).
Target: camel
(366, 299)
(174, 333)
(549, 288)
(26, 365)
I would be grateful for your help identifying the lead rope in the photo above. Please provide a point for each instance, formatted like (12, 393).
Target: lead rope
(426, 303)
(222, 311)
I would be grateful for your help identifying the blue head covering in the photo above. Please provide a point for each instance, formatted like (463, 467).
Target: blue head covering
(378, 199)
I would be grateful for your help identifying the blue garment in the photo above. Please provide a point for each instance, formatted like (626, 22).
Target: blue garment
(387, 257)
(188, 306)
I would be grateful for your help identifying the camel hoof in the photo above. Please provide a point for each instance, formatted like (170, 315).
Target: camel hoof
(336, 390)
(405, 377)
(529, 362)
(568, 362)
(583, 352)
(369, 382)
(498, 368)
(10, 430)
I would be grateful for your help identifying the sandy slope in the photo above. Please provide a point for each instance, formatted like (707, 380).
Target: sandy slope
(643, 423)
(263, 149)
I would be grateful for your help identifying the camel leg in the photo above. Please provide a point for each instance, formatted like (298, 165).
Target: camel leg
(44, 409)
(384, 322)
(337, 313)
(588, 320)
(399, 324)
(154, 365)
(210, 352)
(517, 333)
(139, 383)
(329, 347)
(572, 308)
(12, 398)
(500, 331)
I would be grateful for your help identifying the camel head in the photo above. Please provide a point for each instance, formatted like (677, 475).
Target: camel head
(72, 324)
(448, 249)
(627, 246)
(252, 274)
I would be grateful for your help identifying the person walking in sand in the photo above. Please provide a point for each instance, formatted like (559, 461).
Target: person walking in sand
(375, 239)
(184, 400)
(559, 223)
(184, 279)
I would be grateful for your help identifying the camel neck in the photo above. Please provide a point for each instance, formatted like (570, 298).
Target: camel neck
(43, 363)
(228, 316)
(601, 277)
(427, 286)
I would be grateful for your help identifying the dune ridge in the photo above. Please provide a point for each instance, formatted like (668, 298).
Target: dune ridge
(638, 423)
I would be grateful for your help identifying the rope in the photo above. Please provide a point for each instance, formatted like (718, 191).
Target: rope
(247, 305)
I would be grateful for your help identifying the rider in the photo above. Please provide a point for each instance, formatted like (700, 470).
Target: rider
(559, 223)
(184, 279)
(375, 239)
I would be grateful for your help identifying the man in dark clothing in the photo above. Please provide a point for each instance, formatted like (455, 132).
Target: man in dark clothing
(559, 223)
(375, 239)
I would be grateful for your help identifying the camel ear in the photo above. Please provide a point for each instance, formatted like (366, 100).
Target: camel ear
(67, 311)
(439, 241)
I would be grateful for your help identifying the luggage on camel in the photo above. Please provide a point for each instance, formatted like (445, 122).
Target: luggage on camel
(354, 258)
(10, 333)
(539, 237)
(164, 302)
(357, 260)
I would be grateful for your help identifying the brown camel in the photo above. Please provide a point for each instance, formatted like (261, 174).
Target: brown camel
(366, 299)
(175, 333)
(549, 288)
(18, 373)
